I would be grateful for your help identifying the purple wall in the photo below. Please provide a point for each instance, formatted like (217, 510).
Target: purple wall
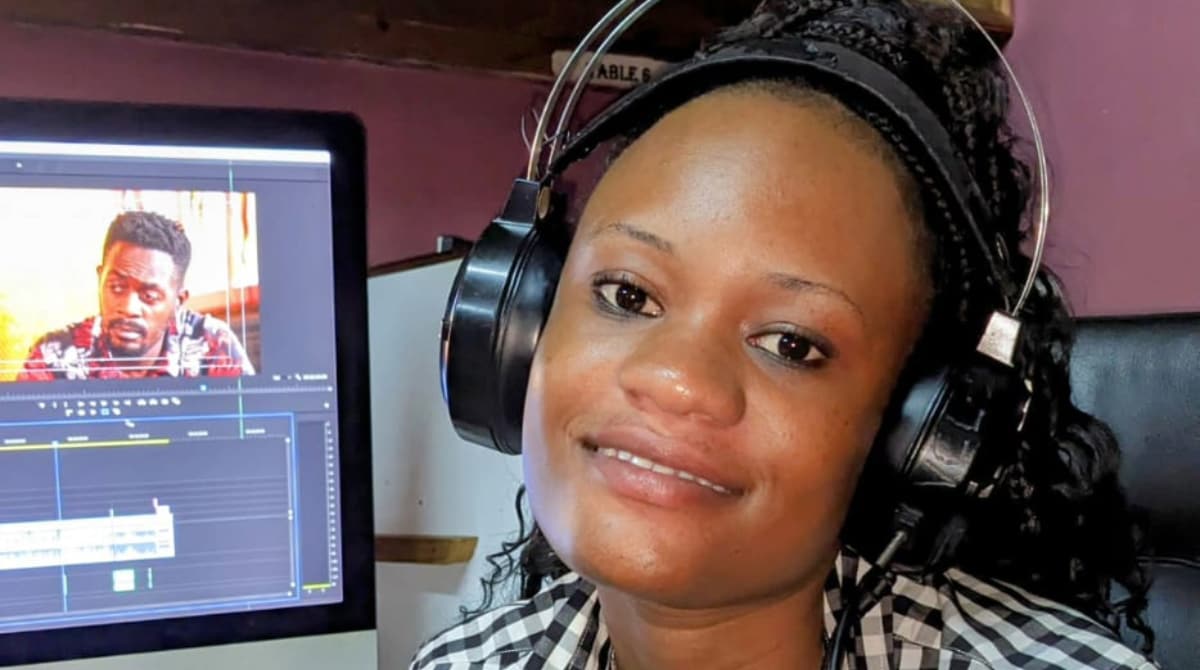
(1113, 81)
(1114, 84)
(443, 147)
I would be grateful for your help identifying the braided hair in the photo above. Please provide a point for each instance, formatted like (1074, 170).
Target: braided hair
(1059, 525)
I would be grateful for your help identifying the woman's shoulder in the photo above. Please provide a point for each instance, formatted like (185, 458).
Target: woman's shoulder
(963, 619)
(556, 621)
(1005, 627)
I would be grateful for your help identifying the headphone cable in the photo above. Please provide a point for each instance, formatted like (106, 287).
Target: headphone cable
(875, 584)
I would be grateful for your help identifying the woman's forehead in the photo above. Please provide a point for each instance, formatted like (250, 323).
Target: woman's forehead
(748, 155)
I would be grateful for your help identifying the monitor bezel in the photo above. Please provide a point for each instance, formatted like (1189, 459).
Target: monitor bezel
(344, 137)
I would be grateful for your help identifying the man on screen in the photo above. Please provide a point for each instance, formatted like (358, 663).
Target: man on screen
(143, 329)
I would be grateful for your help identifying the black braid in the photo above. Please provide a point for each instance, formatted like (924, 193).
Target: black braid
(503, 564)
(535, 562)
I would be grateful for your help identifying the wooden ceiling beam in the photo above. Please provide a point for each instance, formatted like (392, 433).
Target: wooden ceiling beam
(507, 37)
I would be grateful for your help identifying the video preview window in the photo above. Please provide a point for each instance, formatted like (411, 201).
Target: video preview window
(120, 283)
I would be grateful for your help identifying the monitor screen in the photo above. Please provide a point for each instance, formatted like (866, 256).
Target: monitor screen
(183, 438)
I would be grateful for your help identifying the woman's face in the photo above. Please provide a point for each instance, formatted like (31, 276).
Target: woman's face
(740, 296)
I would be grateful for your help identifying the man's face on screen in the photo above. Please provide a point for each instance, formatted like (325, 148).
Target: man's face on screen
(139, 293)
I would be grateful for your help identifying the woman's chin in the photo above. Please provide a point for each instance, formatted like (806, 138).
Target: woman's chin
(658, 584)
(676, 563)
(667, 570)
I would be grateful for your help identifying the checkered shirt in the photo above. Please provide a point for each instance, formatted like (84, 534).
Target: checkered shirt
(961, 623)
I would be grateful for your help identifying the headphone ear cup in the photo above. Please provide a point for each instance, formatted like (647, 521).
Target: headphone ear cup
(494, 318)
(916, 405)
(951, 429)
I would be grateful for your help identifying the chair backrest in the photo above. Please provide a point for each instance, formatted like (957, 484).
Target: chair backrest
(1141, 375)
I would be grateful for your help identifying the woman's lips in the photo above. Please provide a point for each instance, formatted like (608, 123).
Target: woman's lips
(640, 464)
(658, 468)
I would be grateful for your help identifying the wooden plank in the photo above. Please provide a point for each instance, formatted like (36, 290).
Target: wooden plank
(494, 36)
(428, 549)
(298, 27)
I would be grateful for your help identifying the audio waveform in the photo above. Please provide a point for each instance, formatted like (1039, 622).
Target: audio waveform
(105, 539)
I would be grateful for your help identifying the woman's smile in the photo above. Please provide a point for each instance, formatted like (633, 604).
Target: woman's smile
(637, 463)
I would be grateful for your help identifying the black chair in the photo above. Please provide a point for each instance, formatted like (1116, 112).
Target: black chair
(1141, 375)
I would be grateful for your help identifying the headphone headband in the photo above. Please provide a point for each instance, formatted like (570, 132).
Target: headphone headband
(855, 80)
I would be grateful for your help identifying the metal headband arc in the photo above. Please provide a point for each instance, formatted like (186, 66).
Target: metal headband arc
(822, 60)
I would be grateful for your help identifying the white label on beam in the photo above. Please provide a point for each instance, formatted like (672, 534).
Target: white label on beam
(614, 70)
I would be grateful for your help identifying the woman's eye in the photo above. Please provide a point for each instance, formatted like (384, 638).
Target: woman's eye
(792, 348)
(627, 298)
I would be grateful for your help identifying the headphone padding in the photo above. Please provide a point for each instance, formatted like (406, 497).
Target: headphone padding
(494, 317)
(917, 404)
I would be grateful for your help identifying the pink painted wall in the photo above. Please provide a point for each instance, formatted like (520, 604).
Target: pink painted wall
(443, 147)
(1114, 82)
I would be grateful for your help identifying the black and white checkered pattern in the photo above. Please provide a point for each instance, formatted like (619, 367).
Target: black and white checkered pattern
(961, 623)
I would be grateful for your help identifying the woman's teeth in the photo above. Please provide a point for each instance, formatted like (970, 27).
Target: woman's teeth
(647, 464)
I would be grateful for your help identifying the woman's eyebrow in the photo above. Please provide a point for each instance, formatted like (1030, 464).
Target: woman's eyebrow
(639, 234)
(801, 285)
(782, 280)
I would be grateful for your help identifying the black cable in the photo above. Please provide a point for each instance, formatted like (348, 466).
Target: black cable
(834, 649)
(875, 584)
(878, 582)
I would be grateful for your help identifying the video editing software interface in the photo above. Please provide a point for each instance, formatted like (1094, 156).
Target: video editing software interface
(168, 400)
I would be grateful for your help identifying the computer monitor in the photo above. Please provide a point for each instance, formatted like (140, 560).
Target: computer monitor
(184, 411)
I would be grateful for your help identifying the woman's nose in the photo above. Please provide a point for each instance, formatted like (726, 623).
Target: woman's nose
(685, 372)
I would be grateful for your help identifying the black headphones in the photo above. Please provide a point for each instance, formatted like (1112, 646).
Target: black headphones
(944, 413)
(947, 415)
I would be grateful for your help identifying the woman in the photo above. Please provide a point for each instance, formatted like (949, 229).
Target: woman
(748, 281)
